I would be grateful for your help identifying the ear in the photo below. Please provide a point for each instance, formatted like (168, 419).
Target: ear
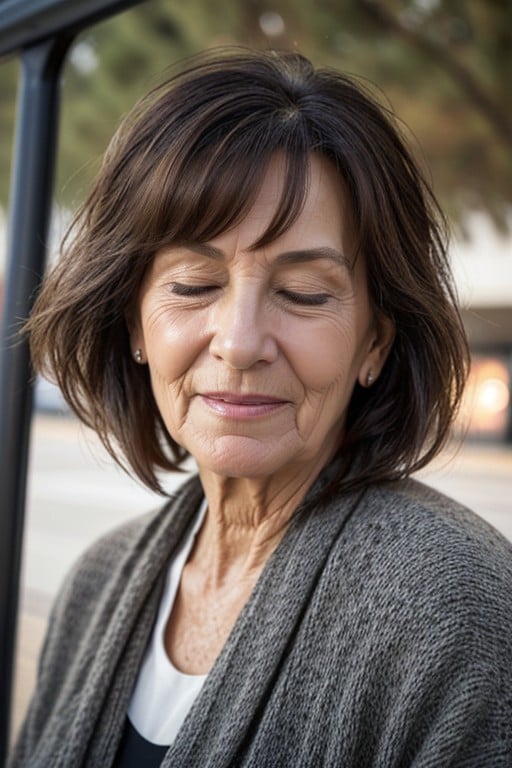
(379, 346)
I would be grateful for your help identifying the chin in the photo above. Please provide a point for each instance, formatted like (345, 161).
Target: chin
(242, 457)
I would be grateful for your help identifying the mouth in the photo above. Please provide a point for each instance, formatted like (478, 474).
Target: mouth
(239, 399)
(241, 406)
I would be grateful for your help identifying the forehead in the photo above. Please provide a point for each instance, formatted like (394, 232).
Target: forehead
(325, 216)
(321, 232)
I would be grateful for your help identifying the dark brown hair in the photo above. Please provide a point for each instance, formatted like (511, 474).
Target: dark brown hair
(185, 166)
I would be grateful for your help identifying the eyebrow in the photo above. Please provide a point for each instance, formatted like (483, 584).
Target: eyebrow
(296, 256)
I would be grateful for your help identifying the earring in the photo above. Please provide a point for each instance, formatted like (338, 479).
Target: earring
(137, 355)
(370, 379)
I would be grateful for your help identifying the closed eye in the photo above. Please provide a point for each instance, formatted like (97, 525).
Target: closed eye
(184, 289)
(305, 299)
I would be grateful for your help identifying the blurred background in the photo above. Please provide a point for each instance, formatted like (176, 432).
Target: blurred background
(445, 67)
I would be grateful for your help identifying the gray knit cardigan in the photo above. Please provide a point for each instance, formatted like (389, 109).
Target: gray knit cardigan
(379, 635)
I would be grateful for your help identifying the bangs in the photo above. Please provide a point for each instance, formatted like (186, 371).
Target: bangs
(196, 193)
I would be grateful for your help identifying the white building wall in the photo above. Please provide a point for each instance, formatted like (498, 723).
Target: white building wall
(482, 265)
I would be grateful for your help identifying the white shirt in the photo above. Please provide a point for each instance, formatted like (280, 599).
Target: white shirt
(163, 695)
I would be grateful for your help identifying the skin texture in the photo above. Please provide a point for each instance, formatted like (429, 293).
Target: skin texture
(253, 357)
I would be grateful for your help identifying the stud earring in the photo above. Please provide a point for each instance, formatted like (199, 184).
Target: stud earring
(370, 379)
(137, 356)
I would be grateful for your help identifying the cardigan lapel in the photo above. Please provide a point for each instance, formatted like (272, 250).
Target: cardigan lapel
(239, 683)
(109, 656)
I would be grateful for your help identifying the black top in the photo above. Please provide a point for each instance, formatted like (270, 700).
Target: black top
(135, 751)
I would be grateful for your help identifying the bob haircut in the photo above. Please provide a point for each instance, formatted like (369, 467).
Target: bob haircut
(185, 165)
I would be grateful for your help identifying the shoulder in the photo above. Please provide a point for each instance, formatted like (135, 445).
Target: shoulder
(420, 519)
(117, 555)
(96, 567)
(417, 592)
(91, 589)
(427, 557)
(122, 562)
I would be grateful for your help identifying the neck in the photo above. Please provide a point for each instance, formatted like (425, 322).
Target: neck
(246, 519)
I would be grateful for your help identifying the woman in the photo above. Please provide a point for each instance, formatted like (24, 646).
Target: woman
(259, 279)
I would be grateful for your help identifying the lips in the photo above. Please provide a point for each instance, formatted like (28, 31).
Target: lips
(240, 407)
(245, 399)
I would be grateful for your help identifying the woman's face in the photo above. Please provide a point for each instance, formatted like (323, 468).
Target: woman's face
(254, 354)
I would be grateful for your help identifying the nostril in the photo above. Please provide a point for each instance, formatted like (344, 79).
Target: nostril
(245, 349)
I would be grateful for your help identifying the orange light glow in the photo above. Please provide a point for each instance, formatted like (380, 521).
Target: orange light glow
(486, 399)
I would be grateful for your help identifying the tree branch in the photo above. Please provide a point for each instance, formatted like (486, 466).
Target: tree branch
(443, 58)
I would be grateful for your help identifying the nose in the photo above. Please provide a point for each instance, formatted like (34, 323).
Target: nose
(242, 332)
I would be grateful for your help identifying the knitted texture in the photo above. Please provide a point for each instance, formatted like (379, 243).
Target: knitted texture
(379, 635)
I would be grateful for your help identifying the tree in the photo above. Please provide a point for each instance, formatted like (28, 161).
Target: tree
(444, 65)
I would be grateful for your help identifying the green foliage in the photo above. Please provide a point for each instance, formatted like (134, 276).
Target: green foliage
(8, 86)
(444, 65)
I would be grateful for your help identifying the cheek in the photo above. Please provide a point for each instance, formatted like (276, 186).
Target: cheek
(172, 345)
(324, 357)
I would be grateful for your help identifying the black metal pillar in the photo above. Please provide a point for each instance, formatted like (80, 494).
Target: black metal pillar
(30, 209)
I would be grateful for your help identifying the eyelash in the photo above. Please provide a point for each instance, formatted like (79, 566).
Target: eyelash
(303, 299)
(182, 289)
(306, 299)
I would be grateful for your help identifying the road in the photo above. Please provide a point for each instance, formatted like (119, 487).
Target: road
(76, 493)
